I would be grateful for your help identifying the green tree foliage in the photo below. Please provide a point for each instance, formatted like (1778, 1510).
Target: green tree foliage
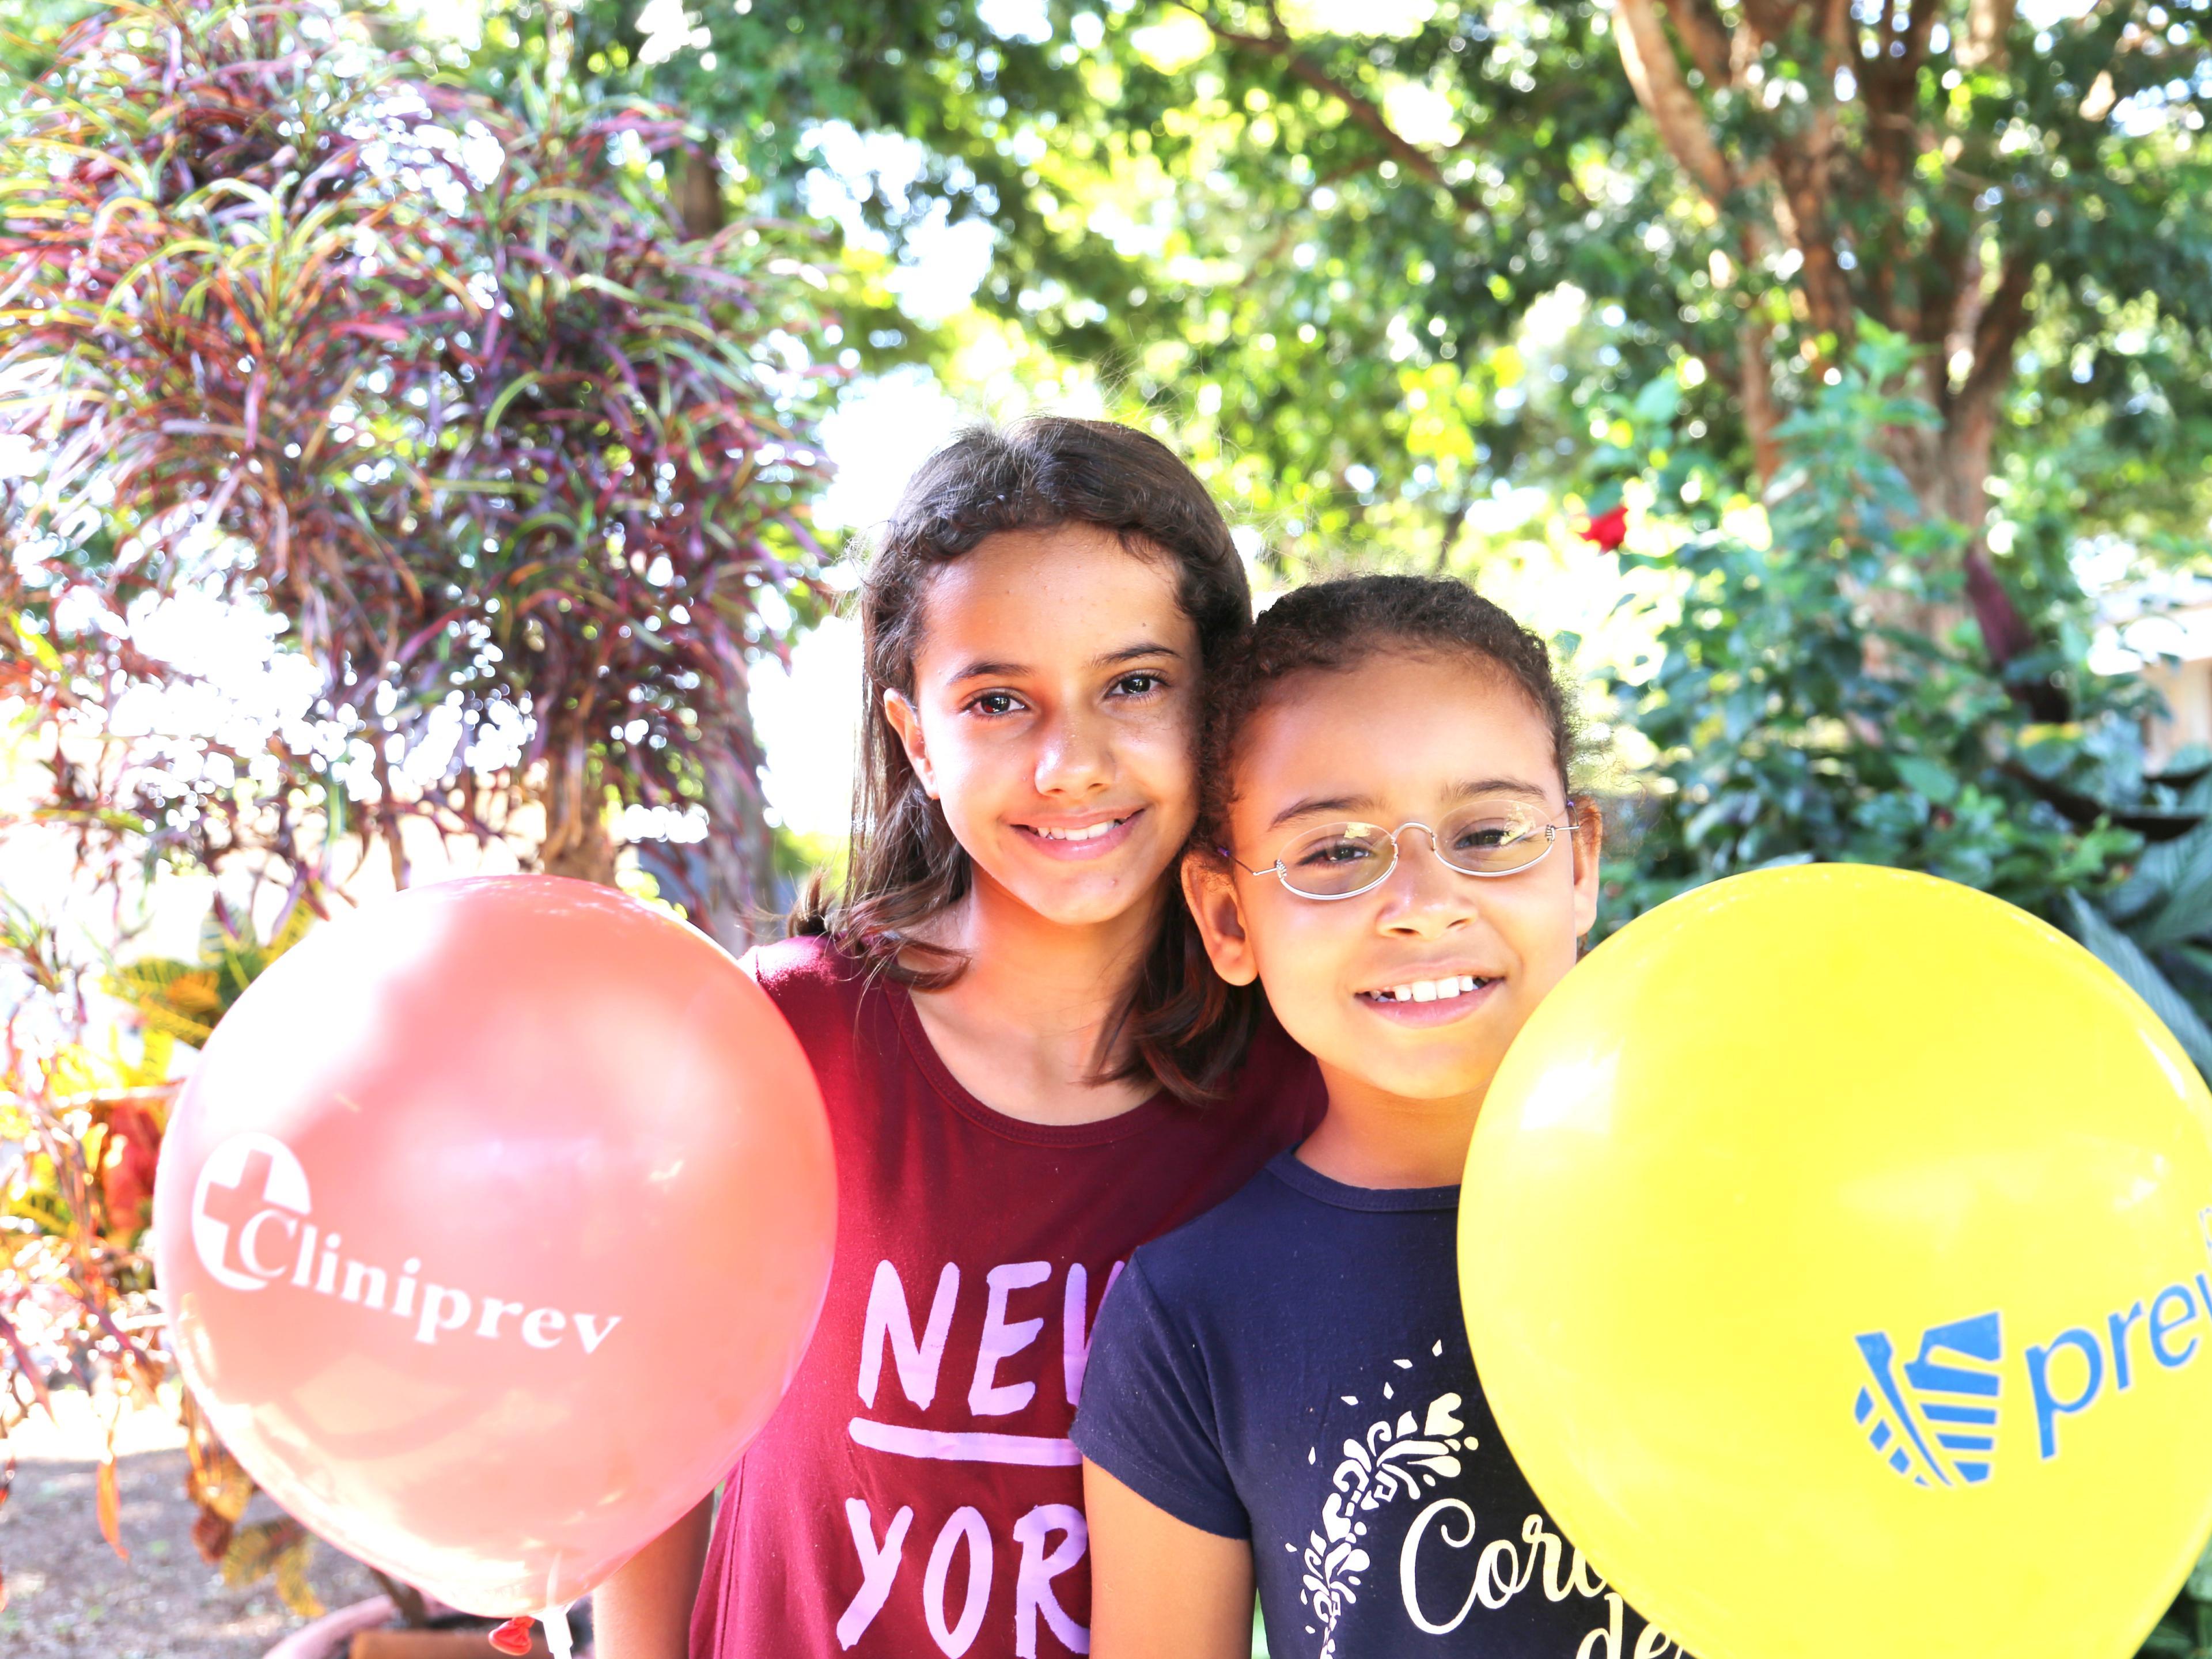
(1235, 237)
(1788, 723)
(1309, 234)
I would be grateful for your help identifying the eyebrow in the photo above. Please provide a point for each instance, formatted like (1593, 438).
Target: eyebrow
(986, 669)
(1312, 804)
(1497, 786)
(1469, 790)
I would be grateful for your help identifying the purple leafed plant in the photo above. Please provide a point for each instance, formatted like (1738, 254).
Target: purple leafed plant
(524, 471)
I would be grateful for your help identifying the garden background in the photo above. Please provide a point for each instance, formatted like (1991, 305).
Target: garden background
(437, 437)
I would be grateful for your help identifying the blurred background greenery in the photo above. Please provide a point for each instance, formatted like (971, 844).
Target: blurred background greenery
(435, 438)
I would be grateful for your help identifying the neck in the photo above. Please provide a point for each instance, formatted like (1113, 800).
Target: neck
(1028, 1027)
(1374, 1138)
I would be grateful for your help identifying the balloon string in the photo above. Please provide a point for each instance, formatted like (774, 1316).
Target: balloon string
(555, 1618)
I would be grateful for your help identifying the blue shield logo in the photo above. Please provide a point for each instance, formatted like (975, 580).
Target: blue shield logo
(1933, 1419)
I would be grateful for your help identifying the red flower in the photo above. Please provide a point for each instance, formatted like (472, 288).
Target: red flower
(1609, 529)
(127, 1174)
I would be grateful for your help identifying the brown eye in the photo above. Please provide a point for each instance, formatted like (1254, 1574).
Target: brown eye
(1329, 855)
(1487, 835)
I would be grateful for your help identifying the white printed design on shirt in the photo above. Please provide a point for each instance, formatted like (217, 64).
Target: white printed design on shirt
(1405, 1456)
(1011, 1366)
(1393, 1460)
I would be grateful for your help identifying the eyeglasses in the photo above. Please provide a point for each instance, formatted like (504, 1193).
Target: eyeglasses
(1484, 838)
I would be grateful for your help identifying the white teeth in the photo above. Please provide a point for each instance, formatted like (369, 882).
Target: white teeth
(1089, 834)
(1429, 990)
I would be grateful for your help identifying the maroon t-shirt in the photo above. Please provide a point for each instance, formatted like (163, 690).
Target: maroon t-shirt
(916, 1493)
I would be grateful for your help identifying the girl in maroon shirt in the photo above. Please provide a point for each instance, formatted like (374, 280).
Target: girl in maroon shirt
(1030, 1067)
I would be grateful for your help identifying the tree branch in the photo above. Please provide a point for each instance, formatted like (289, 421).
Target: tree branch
(1447, 538)
(1697, 25)
(1983, 44)
(1890, 79)
(1770, 20)
(1364, 111)
(1755, 387)
(1839, 36)
(1806, 190)
(1649, 58)
(1996, 330)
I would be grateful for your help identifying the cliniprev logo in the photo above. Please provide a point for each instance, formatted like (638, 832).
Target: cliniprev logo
(253, 1230)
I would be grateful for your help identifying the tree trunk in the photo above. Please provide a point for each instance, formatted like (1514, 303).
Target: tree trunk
(737, 906)
(726, 883)
(577, 841)
(1755, 385)
(698, 192)
(1948, 469)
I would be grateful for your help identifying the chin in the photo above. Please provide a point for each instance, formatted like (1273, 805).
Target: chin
(1086, 906)
(1448, 1079)
(1084, 898)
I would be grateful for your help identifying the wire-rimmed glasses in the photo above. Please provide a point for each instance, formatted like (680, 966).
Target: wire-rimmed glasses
(1484, 838)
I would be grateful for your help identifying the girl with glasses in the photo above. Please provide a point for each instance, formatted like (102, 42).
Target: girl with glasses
(1279, 1395)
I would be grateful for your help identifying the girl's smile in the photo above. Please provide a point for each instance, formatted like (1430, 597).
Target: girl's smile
(1432, 998)
(1091, 836)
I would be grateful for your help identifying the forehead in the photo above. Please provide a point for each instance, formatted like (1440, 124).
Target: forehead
(1396, 729)
(1033, 596)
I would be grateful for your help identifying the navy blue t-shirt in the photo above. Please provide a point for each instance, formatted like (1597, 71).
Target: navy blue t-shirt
(1291, 1368)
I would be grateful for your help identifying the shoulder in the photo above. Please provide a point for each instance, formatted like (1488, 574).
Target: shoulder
(827, 996)
(809, 967)
(1216, 1257)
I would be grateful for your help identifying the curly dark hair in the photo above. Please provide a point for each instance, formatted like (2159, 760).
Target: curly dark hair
(905, 866)
(1329, 627)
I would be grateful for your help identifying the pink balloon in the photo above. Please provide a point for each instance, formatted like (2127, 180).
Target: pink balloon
(492, 1224)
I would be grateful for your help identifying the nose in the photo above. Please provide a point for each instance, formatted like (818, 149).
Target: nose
(1075, 754)
(1424, 898)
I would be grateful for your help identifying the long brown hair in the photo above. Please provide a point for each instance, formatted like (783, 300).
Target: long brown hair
(1182, 1026)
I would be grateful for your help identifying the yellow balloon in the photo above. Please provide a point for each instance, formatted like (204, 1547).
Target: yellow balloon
(1834, 1251)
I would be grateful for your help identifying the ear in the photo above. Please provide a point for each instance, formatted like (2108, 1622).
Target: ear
(1589, 843)
(1212, 895)
(906, 720)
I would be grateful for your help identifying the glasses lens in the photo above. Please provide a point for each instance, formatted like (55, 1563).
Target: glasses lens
(1493, 837)
(1337, 859)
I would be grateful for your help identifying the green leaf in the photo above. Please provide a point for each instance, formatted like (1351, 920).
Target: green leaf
(2200, 1576)
(1659, 401)
(36, 644)
(2125, 957)
(2187, 910)
(1926, 778)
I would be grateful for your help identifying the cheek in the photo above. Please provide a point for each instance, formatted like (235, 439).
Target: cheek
(1164, 753)
(966, 761)
(1302, 948)
(1539, 924)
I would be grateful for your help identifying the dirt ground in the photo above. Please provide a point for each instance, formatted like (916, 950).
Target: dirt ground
(69, 1597)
